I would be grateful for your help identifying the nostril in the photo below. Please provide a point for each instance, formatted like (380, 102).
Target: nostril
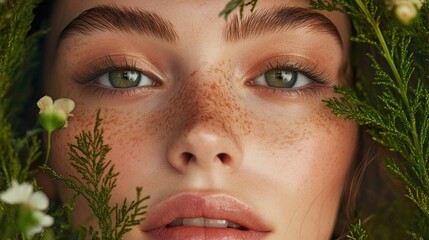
(223, 157)
(187, 157)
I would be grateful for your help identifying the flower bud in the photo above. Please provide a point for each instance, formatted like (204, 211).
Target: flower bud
(406, 11)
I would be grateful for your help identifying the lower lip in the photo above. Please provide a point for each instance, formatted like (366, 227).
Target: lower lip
(203, 233)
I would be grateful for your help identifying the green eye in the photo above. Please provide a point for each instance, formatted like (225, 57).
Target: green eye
(124, 79)
(282, 78)
(279, 78)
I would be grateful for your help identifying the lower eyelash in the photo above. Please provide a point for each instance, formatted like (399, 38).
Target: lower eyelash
(107, 92)
(299, 92)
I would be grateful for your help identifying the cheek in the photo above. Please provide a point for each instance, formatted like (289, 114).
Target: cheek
(303, 156)
(125, 131)
(308, 138)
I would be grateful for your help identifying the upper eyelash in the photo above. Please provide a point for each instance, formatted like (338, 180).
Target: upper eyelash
(104, 65)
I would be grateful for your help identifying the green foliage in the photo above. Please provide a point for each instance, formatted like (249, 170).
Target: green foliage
(396, 107)
(233, 4)
(6, 218)
(357, 231)
(16, 48)
(95, 182)
(18, 151)
(18, 52)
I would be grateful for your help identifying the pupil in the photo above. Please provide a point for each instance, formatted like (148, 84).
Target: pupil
(130, 75)
(280, 76)
(125, 75)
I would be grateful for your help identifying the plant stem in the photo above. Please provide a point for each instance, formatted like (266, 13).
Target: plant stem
(48, 148)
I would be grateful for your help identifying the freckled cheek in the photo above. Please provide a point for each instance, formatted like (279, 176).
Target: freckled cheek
(304, 153)
(305, 164)
(313, 152)
(134, 146)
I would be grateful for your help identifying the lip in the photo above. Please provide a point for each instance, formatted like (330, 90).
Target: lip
(212, 206)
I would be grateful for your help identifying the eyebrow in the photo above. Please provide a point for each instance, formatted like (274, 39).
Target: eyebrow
(113, 18)
(279, 19)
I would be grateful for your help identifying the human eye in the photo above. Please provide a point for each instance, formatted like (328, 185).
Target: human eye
(282, 78)
(289, 77)
(113, 75)
(126, 78)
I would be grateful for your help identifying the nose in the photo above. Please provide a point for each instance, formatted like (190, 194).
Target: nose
(204, 135)
(206, 147)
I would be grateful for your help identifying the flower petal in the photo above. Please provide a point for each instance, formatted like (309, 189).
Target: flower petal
(44, 219)
(17, 193)
(45, 104)
(33, 231)
(47, 221)
(65, 104)
(38, 200)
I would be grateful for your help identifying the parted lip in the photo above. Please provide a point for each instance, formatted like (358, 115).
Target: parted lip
(212, 206)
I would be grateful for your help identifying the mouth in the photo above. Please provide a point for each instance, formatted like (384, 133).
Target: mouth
(203, 216)
(205, 222)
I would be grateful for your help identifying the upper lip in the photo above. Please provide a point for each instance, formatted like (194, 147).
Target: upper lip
(212, 206)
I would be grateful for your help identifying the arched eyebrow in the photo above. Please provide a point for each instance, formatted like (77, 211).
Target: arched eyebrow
(113, 18)
(279, 19)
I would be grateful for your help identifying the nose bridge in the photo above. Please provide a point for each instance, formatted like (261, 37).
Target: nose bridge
(207, 103)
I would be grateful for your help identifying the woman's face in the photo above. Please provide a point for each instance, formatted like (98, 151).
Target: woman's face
(215, 119)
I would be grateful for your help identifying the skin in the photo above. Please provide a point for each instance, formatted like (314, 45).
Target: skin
(284, 154)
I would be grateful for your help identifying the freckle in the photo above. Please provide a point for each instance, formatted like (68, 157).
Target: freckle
(193, 73)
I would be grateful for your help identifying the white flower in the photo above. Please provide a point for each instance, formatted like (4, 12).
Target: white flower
(22, 194)
(54, 114)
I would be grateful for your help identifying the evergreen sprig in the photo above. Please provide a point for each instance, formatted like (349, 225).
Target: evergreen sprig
(234, 4)
(17, 49)
(396, 110)
(95, 182)
(357, 231)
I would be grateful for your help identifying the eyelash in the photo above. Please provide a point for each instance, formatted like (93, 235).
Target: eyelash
(320, 78)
